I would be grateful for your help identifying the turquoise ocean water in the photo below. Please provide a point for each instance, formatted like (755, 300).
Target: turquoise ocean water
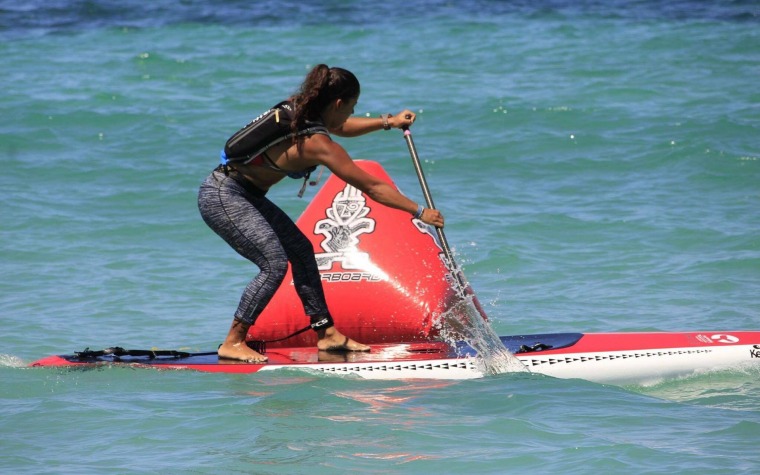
(598, 163)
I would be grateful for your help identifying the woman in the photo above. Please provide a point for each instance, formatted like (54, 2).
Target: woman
(232, 202)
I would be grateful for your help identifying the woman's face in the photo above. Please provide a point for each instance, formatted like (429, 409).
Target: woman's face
(338, 112)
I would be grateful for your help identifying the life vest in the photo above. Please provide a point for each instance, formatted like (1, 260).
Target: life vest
(249, 144)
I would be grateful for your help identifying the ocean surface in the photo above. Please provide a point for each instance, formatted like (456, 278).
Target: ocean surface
(598, 163)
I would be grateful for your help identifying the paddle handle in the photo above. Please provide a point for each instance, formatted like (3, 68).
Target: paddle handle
(450, 262)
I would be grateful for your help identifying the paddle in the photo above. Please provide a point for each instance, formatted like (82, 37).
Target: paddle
(464, 318)
(458, 277)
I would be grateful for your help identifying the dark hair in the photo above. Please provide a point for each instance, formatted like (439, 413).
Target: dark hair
(320, 87)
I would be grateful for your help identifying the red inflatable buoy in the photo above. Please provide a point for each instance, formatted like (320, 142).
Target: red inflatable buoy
(382, 271)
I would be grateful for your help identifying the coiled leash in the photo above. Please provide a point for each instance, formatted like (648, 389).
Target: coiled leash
(260, 346)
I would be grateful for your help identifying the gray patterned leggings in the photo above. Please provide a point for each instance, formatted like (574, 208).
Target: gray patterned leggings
(262, 233)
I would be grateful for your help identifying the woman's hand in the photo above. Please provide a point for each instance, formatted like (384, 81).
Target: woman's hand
(432, 217)
(405, 118)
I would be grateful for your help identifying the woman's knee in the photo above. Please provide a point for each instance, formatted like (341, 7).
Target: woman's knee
(275, 266)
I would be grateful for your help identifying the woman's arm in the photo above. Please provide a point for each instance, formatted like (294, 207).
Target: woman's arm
(333, 156)
(356, 126)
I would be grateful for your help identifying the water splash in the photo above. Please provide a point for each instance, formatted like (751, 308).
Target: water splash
(463, 322)
(10, 361)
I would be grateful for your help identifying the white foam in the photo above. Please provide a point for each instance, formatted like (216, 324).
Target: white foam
(463, 322)
(10, 361)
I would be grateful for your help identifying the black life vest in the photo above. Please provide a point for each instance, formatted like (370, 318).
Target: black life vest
(264, 132)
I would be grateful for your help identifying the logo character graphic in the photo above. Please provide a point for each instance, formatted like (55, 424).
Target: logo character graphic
(346, 220)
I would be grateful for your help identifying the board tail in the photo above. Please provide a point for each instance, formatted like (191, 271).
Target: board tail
(382, 271)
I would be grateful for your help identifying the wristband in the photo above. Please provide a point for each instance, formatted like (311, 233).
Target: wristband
(419, 212)
(385, 118)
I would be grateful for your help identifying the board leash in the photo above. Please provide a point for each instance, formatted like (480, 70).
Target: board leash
(118, 352)
(260, 346)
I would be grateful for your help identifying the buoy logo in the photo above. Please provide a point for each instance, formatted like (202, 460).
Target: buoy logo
(722, 338)
(346, 221)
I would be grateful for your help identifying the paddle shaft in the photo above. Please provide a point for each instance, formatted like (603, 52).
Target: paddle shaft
(451, 263)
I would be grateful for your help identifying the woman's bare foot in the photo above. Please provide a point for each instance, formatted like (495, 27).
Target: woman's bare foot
(235, 348)
(241, 352)
(331, 339)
